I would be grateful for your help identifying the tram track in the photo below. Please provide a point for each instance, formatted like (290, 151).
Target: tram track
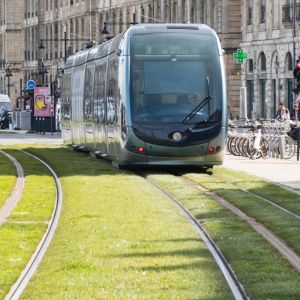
(17, 191)
(232, 280)
(280, 207)
(18, 287)
(275, 241)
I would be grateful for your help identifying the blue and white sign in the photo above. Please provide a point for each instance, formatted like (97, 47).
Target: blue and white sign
(31, 84)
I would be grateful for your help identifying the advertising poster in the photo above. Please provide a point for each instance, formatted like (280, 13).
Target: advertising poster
(43, 106)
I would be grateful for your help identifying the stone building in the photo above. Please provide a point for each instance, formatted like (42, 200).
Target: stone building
(64, 26)
(270, 36)
(11, 44)
(53, 30)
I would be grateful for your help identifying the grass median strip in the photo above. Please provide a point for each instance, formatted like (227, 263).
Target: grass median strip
(273, 192)
(264, 273)
(282, 224)
(8, 177)
(20, 235)
(119, 238)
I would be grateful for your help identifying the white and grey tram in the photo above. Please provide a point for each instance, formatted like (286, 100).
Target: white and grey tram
(153, 95)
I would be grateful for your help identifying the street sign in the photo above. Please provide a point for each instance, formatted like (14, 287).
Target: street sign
(31, 84)
(240, 55)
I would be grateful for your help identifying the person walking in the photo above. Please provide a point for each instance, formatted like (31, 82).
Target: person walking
(283, 113)
(295, 113)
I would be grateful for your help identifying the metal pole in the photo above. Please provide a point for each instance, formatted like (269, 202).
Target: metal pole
(65, 40)
(294, 30)
(8, 86)
(298, 141)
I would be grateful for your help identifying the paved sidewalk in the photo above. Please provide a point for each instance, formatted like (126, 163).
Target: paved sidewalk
(285, 172)
(22, 137)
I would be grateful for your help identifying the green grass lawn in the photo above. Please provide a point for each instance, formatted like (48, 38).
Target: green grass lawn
(264, 273)
(8, 177)
(226, 184)
(20, 235)
(119, 238)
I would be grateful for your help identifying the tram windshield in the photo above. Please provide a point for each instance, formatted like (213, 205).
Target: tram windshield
(171, 73)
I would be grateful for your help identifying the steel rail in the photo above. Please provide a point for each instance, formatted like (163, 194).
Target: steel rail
(17, 289)
(235, 286)
(267, 234)
(17, 191)
(271, 203)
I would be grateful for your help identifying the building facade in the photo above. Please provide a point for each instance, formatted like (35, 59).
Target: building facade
(11, 44)
(270, 36)
(50, 30)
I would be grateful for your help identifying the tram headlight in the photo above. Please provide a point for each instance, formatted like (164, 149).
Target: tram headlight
(177, 136)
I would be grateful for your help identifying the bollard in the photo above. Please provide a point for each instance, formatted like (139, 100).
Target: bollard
(298, 141)
(44, 129)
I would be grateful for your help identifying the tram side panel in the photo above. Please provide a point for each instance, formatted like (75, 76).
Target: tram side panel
(100, 106)
(88, 114)
(77, 89)
(66, 108)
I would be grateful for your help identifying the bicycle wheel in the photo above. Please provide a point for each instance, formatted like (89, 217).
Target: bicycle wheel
(264, 148)
(290, 148)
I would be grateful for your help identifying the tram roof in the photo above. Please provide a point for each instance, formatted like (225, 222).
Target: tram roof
(203, 28)
(104, 48)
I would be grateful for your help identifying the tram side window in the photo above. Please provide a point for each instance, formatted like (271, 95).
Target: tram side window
(113, 91)
(88, 95)
(99, 94)
(66, 104)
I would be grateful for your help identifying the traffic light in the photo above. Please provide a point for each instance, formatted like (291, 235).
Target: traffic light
(296, 74)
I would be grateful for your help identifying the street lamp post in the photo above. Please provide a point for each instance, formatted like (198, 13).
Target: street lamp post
(105, 31)
(42, 72)
(8, 74)
(65, 39)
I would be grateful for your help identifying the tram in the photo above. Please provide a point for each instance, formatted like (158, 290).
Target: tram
(153, 95)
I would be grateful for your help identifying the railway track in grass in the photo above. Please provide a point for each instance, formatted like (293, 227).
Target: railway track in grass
(275, 241)
(18, 287)
(16, 193)
(284, 248)
(232, 280)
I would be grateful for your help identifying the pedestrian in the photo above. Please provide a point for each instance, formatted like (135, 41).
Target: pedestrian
(295, 113)
(283, 113)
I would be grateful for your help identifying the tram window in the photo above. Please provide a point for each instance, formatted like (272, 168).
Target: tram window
(88, 95)
(66, 105)
(99, 94)
(113, 91)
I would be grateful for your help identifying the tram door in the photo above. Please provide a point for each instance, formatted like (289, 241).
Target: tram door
(77, 106)
(100, 106)
(111, 106)
(88, 106)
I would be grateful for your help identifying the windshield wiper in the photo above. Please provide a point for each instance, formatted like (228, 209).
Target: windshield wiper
(196, 109)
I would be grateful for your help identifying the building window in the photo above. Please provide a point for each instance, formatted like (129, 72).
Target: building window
(263, 62)
(289, 62)
(262, 11)
(249, 16)
(250, 66)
